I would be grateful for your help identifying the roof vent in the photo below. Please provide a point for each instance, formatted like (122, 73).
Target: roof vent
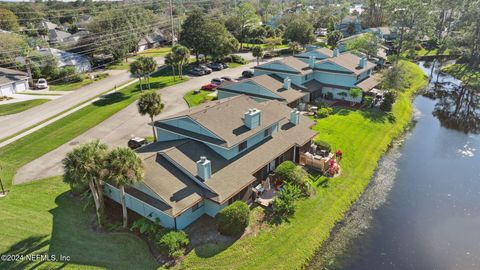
(311, 61)
(204, 168)
(335, 52)
(362, 63)
(253, 118)
(295, 117)
(287, 82)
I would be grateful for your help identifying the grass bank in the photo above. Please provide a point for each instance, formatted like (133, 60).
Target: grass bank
(43, 218)
(463, 72)
(11, 108)
(44, 140)
(194, 99)
(363, 137)
(155, 52)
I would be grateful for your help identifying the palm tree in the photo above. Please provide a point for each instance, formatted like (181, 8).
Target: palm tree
(150, 103)
(181, 55)
(294, 47)
(124, 167)
(170, 60)
(149, 65)
(258, 53)
(84, 165)
(136, 68)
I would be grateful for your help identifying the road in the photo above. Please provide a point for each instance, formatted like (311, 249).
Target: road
(116, 130)
(26, 119)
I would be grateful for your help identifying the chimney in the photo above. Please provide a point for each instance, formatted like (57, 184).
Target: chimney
(335, 52)
(295, 117)
(287, 82)
(204, 168)
(362, 62)
(311, 62)
(253, 118)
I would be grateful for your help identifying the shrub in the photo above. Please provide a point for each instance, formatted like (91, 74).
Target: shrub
(388, 100)
(290, 173)
(238, 59)
(284, 204)
(147, 227)
(233, 219)
(368, 101)
(173, 243)
(323, 145)
(69, 74)
(324, 112)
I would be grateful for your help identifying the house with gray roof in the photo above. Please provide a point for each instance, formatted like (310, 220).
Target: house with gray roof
(263, 88)
(207, 157)
(321, 72)
(12, 81)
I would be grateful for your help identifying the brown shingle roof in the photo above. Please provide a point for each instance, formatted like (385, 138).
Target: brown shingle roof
(370, 82)
(350, 61)
(273, 84)
(224, 118)
(228, 176)
(298, 65)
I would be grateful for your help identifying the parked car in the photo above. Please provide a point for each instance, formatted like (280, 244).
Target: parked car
(215, 66)
(206, 69)
(225, 65)
(137, 142)
(41, 84)
(217, 81)
(228, 79)
(247, 73)
(198, 71)
(209, 87)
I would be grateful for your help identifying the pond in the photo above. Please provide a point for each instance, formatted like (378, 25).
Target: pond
(422, 209)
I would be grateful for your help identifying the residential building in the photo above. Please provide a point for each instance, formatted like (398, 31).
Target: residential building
(264, 87)
(207, 157)
(65, 59)
(12, 81)
(318, 72)
(152, 40)
(349, 25)
(387, 34)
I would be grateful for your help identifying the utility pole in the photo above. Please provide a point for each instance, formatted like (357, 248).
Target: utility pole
(171, 19)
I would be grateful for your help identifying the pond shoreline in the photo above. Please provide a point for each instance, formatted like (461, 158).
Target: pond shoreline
(340, 237)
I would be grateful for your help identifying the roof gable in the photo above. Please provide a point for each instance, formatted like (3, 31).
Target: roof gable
(329, 65)
(251, 88)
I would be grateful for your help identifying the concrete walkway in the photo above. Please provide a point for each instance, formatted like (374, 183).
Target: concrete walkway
(119, 128)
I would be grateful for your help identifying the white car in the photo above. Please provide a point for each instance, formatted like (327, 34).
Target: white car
(217, 81)
(41, 84)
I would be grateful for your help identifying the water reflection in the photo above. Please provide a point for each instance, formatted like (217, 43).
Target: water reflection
(458, 104)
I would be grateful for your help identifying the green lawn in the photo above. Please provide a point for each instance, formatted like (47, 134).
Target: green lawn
(43, 218)
(32, 146)
(194, 99)
(75, 85)
(11, 108)
(156, 52)
(363, 138)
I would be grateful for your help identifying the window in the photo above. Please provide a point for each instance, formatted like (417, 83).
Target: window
(306, 77)
(267, 132)
(242, 146)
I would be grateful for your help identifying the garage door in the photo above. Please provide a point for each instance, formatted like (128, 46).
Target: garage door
(7, 90)
(20, 87)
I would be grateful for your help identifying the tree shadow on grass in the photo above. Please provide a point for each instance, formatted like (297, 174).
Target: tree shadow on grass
(205, 240)
(375, 116)
(110, 99)
(341, 111)
(28, 246)
(72, 235)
